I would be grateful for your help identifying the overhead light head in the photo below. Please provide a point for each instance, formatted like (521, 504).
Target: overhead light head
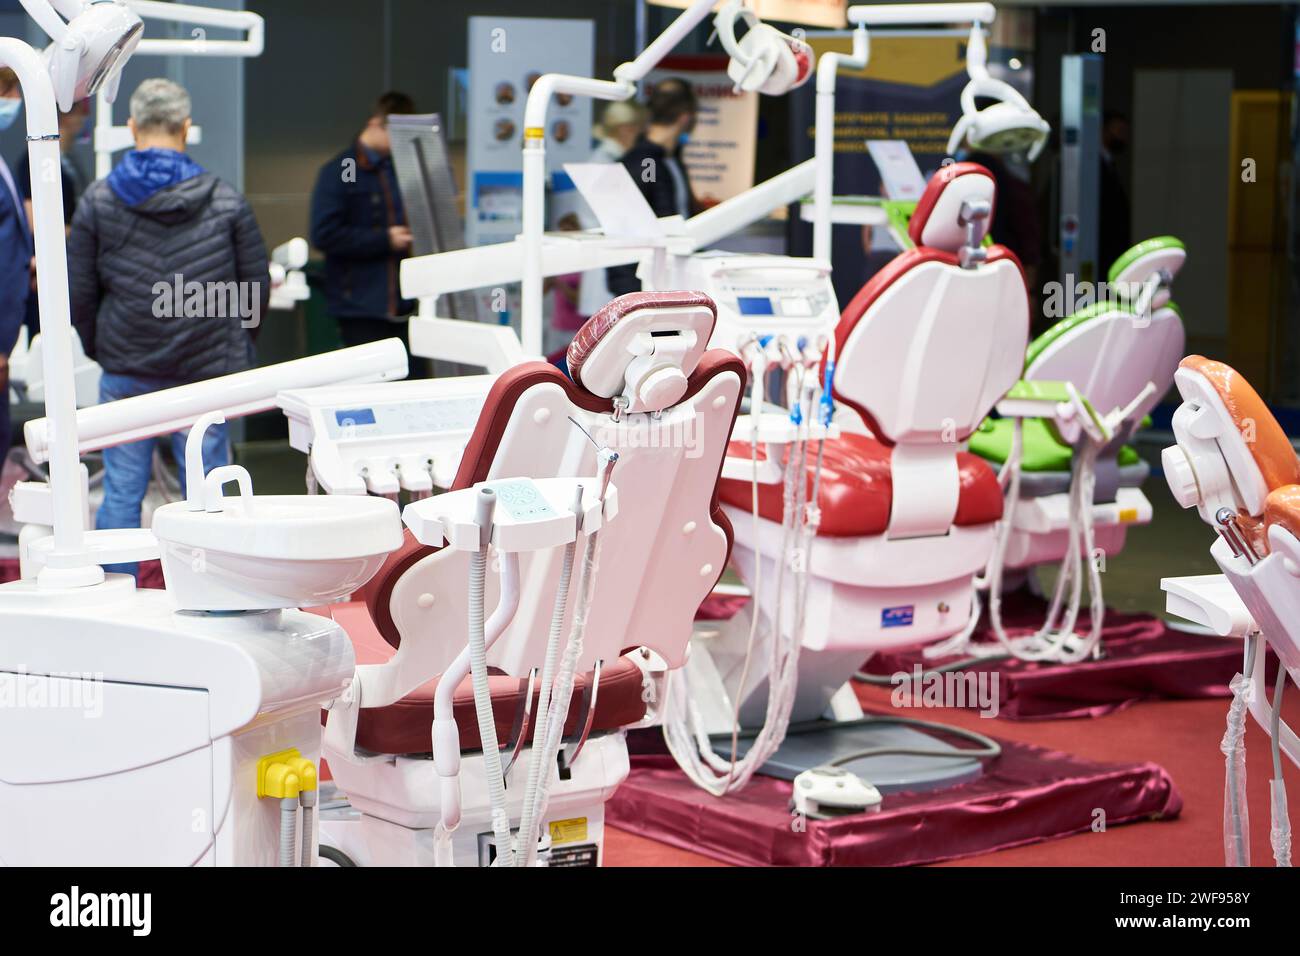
(89, 50)
(1009, 125)
(1003, 127)
(764, 60)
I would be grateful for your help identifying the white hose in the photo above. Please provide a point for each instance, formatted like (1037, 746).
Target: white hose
(1051, 642)
(288, 830)
(1236, 812)
(541, 728)
(487, 728)
(683, 726)
(562, 694)
(1279, 833)
(308, 800)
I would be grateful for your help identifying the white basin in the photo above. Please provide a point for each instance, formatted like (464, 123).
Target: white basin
(273, 551)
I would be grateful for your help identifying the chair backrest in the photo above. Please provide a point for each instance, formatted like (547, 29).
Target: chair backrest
(936, 338)
(1109, 350)
(1110, 354)
(927, 347)
(667, 547)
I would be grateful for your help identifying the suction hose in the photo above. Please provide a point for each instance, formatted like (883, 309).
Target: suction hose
(487, 728)
(684, 730)
(562, 694)
(1279, 834)
(527, 821)
(1236, 813)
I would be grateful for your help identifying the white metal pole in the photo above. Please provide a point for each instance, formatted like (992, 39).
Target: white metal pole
(103, 129)
(534, 198)
(896, 14)
(824, 137)
(68, 565)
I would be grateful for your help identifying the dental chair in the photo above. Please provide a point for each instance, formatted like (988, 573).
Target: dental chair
(644, 387)
(1110, 351)
(1235, 465)
(1074, 482)
(904, 516)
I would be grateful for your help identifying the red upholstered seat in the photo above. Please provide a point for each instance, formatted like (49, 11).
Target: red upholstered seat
(856, 489)
(405, 727)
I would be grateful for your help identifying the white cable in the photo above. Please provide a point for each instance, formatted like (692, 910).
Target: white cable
(528, 822)
(1236, 812)
(562, 694)
(683, 725)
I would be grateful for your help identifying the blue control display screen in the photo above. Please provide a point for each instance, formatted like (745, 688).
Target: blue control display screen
(755, 305)
(355, 416)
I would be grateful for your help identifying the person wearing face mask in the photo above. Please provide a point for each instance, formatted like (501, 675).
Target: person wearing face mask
(15, 256)
(654, 162)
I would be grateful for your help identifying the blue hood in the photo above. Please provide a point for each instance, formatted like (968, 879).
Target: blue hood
(144, 172)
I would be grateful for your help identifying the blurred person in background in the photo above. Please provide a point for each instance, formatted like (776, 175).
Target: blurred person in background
(15, 255)
(621, 125)
(358, 221)
(157, 252)
(655, 164)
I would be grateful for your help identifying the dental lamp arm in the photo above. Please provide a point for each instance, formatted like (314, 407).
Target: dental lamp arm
(750, 206)
(250, 23)
(534, 193)
(899, 14)
(637, 70)
(824, 138)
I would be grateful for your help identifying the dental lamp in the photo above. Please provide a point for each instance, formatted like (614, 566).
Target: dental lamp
(91, 44)
(88, 49)
(1010, 125)
(764, 60)
(1006, 126)
(762, 66)
(110, 139)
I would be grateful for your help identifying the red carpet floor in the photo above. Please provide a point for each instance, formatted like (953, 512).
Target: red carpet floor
(1182, 736)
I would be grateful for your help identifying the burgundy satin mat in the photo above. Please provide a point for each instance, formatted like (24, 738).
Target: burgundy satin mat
(1027, 795)
(151, 575)
(1145, 660)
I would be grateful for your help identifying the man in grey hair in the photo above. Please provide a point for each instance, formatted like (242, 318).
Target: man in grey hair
(169, 279)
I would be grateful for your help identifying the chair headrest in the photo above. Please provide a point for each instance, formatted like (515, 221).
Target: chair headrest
(1267, 443)
(937, 220)
(643, 346)
(1162, 254)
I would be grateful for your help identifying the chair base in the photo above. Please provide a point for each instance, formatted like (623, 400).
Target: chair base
(821, 742)
(394, 807)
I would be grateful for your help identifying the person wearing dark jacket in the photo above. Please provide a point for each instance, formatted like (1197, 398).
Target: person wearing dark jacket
(15, 256)
(358, 221)
(655, 165)
(168, 279)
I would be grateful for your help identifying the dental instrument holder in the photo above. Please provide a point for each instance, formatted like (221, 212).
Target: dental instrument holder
(527, 515)
(531, 514)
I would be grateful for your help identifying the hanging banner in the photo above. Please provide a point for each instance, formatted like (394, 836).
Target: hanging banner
(812, 13)
(506, 56)
(719, 157)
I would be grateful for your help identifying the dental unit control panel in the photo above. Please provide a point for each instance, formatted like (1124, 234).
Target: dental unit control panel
(764, 295)
(382, 439)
